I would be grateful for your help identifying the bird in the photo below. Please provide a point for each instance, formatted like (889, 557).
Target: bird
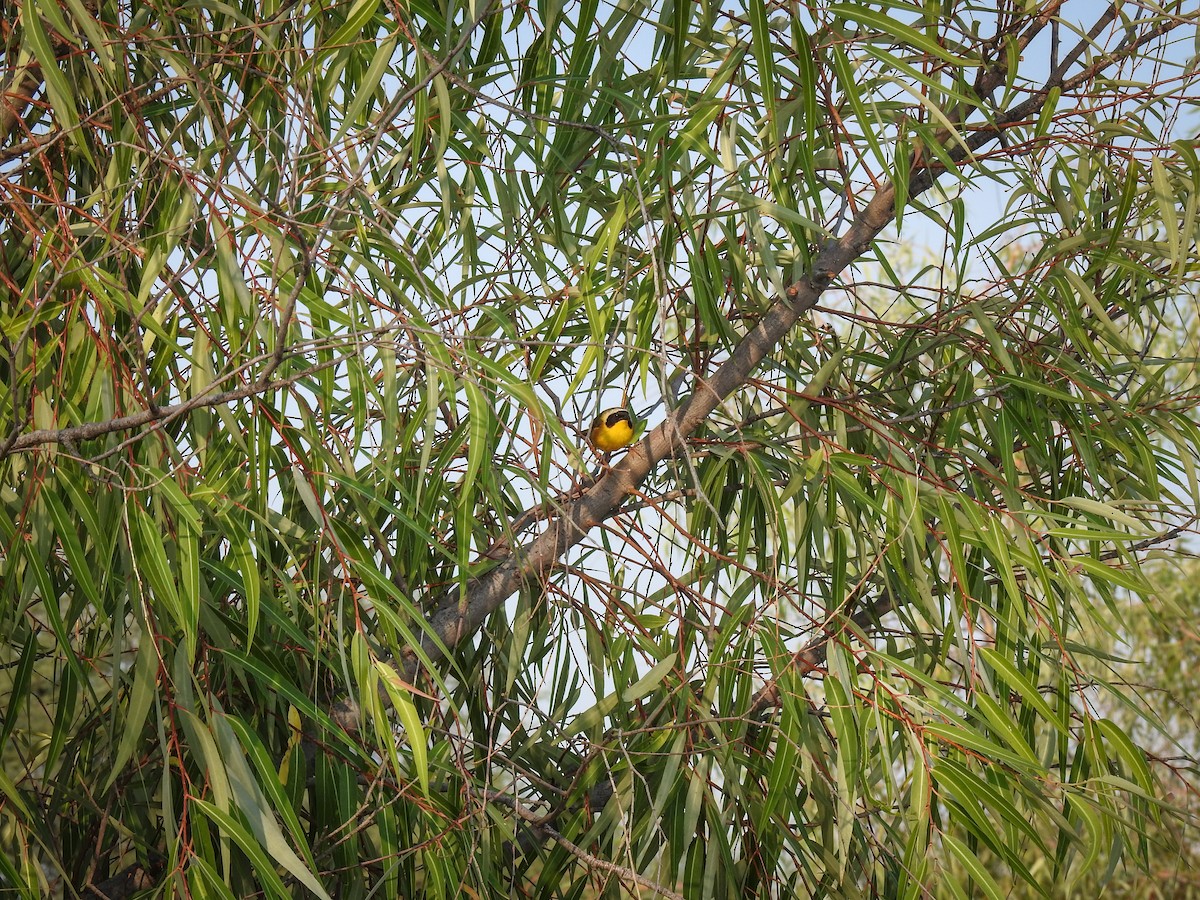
(611, 430)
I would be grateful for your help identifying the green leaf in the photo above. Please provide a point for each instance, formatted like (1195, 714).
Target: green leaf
(141, 698)
(356, 20)
(1015, 681)
(81, 569)
(643, 686)
(969, 739)
(251, 803)
(263, 867)
(979, 875)
(62, 96)
(410, 719)
(891, 25)
(150, 560)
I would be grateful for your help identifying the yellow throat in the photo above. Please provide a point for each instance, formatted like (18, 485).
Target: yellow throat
(611, 430)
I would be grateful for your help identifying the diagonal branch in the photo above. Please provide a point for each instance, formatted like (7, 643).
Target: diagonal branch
(458, 617)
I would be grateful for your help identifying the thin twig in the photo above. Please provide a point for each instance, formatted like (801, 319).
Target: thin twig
(603, 864)
(540, 823)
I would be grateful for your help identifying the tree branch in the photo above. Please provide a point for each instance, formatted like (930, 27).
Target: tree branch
(455, 619)
(156, 416)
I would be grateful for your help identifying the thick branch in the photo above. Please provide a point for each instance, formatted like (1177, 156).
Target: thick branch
(452, 621)
(455, 619)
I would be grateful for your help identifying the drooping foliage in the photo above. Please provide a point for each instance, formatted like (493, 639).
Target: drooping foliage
(305, 308)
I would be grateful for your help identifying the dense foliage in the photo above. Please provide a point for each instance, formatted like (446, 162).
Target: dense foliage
(310, 583)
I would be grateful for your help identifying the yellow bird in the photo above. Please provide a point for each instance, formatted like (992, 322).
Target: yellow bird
(611, 430)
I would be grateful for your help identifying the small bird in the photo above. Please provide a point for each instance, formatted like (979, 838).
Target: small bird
(611, 430)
